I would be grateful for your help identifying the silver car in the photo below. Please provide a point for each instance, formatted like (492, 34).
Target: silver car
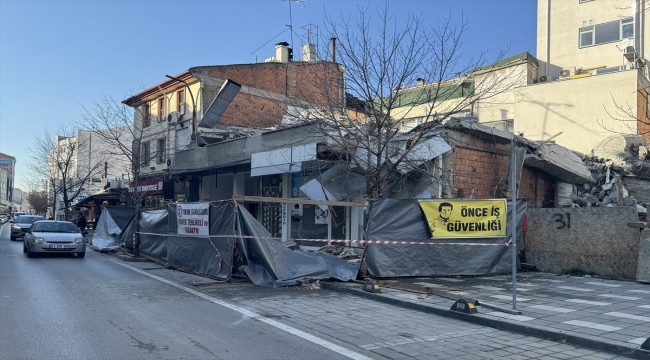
(49, 236)
(22, 225)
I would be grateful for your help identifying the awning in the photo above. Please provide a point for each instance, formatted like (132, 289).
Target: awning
(285, 160)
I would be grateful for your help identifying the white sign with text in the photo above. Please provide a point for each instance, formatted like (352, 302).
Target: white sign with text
(193, 219)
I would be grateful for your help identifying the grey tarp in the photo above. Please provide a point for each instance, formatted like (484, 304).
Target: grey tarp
(153, 228)
(403, 220)
(269, 263)
(265, 261)
(109, 227)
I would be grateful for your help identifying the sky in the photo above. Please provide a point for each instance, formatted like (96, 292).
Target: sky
(58, 56)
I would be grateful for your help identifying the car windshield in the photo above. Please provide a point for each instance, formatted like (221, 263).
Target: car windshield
(28, 219)
(61, 227)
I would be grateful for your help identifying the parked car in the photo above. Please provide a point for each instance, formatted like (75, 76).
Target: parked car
(51, 236)
(22, 224)
(3, 218)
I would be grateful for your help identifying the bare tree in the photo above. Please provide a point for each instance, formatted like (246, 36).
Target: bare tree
(373, 66)
(56, 160)
(125, 138)
(38, 200)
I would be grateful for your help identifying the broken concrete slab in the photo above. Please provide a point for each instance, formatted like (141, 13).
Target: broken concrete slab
(561, 163)
(643, 264)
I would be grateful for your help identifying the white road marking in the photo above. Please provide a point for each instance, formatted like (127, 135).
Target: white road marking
(504, 297)
(491, 288)
(640, 291)
(523, 289)
(552, 308)
(573, 288)
(629, 316)
(638, 341)
(591, 325)
(551, 280)
(301, 334)
(461, 293)
(451, 280)
(525, 284)
(603, 284)
(580, 301)
(510, 316)
(645, 306)
(428, 284)
(611, 296)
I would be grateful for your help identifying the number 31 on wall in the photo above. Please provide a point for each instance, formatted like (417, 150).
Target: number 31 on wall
(559, 219)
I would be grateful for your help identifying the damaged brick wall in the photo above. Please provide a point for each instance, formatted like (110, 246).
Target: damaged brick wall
(313, 83)
(537, 185)
(479, 167)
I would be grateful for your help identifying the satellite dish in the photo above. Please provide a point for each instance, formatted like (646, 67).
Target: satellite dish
(623, 44)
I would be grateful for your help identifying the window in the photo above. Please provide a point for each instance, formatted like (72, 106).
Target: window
(606, 33)
(146, 154)
(181, 101)
(146, 115)
(627, 28)
(161, 151)
(161, 109)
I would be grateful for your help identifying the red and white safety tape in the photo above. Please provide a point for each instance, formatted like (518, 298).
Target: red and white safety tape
(351, 242)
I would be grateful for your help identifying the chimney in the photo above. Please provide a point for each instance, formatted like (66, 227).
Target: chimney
(309, 52)
(420, 81)
(457, 75)
(282, 52)
(333, 49)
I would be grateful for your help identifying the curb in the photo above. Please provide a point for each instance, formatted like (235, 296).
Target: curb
(586, 341)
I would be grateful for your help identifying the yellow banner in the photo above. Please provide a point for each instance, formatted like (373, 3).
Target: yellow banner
(465, 218)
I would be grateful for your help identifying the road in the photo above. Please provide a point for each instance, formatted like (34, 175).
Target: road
(64, 307)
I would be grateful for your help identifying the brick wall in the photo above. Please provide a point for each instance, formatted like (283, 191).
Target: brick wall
(253, 111)
(312, 82)
(643, 122)
(538, 186)
(478, 169)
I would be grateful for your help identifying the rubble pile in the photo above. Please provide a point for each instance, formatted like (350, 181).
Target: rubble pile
(340, 252)
(609, 188)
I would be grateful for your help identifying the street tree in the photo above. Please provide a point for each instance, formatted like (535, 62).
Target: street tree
(398, 81)
(64, 161)
(38, 200)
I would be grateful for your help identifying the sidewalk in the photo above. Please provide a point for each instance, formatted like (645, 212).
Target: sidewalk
(605, 315)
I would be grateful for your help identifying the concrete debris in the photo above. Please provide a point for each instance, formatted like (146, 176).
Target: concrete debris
(315, 285)
(614, 181)
(340, 252)
(560, 162)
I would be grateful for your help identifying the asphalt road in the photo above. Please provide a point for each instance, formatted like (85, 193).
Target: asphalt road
(64, 307)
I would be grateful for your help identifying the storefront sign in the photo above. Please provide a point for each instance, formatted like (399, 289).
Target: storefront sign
(465, 218)
(193, 219)
(150, 187)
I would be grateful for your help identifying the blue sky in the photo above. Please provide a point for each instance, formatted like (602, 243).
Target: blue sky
(56, 56)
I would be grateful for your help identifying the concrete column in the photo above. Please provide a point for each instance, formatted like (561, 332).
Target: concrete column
(238, 183)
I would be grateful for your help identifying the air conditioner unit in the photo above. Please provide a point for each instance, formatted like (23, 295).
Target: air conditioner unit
(630, 54)
(567, 73)
(174, 117)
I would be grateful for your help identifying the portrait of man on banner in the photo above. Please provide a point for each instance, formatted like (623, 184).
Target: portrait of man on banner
(465, 218)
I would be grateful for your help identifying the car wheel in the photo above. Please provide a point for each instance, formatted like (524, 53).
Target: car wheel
(12, 238)
(81, 255)
(30, 254)
(24, 248)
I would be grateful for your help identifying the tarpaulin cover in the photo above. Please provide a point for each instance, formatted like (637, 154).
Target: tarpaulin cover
(109, 227)
(265, 261)
(153, 222)
(202, 254)
(126, 238)
(269, 263)
(403, 220)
